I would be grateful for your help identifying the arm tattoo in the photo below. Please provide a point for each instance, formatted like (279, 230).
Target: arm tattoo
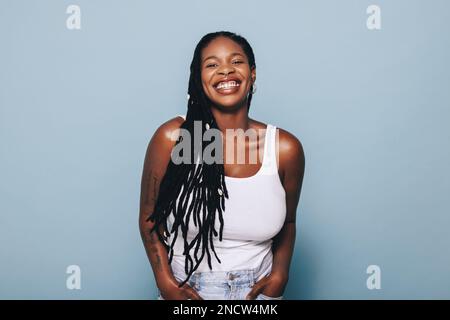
(158, 262)
(155, 188)
(151, 239)
(152, 184)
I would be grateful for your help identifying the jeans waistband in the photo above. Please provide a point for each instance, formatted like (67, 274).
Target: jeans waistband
(236, 277)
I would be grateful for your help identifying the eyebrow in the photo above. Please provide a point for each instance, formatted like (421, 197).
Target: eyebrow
(214, 57)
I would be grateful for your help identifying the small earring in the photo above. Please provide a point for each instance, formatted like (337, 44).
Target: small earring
(254, 88)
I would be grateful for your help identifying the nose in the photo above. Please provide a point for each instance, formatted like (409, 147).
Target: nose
(225, 70)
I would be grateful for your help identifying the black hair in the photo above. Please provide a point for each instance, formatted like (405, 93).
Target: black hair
(200, 181)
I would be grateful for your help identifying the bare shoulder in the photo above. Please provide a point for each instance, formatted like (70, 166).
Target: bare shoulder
(161, 144)
(289, 144)
(166, 131)
(291, 153)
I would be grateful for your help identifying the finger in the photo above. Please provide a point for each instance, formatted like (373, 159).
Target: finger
(256, 289)
(193, 295)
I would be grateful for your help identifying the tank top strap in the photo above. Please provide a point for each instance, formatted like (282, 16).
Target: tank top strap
(269, 159)
(183, 116)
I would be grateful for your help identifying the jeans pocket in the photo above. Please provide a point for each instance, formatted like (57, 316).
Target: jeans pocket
(262, 296)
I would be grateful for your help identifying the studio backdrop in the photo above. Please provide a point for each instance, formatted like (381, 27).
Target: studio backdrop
(362, 84)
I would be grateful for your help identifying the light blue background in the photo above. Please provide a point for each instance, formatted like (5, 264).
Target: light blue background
(371, 108)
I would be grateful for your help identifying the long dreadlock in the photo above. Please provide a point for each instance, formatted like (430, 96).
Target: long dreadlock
(204, 182)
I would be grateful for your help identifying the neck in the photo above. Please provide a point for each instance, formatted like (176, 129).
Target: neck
(236, 119)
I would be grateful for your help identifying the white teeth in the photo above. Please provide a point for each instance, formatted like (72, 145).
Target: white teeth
(228, 84)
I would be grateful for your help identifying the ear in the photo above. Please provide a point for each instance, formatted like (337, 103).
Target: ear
(253, 74)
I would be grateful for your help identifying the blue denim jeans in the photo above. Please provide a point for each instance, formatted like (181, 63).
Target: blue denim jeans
(224, 285)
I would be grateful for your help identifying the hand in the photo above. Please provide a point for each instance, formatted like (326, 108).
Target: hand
(170, 291)
(273, 286)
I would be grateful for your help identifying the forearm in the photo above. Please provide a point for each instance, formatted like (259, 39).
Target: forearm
(282, 248)
(156, 253)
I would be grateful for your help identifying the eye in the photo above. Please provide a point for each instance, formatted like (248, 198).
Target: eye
(238, 61)
(211, 65)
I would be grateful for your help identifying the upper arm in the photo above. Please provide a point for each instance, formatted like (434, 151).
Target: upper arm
(292, 165)
(157, 158)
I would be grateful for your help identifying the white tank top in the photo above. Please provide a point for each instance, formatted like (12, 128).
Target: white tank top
(254, 213)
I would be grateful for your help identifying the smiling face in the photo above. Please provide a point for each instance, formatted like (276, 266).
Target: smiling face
(226, 74)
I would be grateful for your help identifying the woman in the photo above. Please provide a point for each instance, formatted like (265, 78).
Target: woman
(221, 230)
